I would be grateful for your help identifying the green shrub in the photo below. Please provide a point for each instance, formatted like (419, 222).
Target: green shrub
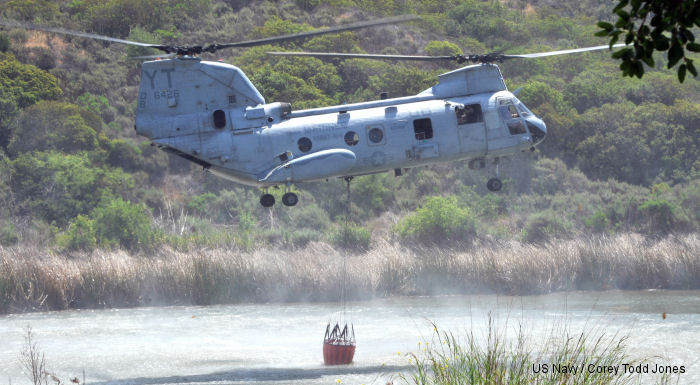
(302, 237)
(442, 48)
(597, 222)
(4, 43)
(199, 204)
(80, 235)
(351, 237)
(50, 125)
(542, 226)
(440, 219)
(124, 224)
(659, 214)
(8, 234)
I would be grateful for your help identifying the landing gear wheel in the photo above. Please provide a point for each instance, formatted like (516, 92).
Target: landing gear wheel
(267, 200)
(494, 184)
(290, 199)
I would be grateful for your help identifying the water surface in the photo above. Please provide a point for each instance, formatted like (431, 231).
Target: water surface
(281, 343)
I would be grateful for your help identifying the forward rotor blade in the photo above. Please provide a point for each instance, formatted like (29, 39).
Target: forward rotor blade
(487, 58)
(15, 24)
(563, 52)
(164, 56)
(278, 39)
(362, 56)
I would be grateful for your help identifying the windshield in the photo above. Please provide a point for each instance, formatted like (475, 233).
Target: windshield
(524, 111)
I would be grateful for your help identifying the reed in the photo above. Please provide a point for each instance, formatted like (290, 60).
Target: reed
(564, 358)
(34, 279)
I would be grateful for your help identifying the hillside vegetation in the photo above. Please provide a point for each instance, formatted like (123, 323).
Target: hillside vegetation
(622, 155)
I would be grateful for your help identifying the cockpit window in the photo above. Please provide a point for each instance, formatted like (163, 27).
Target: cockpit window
(513, 111)
(524, 111)
(507, 109)
(511, 117)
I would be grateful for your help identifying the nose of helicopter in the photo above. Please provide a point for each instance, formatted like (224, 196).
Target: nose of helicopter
(538, 130)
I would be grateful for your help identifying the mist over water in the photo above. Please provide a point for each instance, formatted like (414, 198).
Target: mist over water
(281, 343)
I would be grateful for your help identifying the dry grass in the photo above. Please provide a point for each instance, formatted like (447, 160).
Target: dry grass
(39, 279)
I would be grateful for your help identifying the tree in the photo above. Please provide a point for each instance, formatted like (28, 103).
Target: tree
(646, 24)
(53, 126)
(21, 86)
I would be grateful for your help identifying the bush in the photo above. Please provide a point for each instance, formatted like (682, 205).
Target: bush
(302, 237)
(659, 214)
(8, 234)
(124, 224)
(80, 235)
(540, 227)
(50, 125)
(440, 219)
(442, 48)
(199, 204)
(351, 237)
(4, 43)
(597, 222)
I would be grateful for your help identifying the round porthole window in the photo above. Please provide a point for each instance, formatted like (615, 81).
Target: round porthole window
(304, 144)
(351, 138)
(375, 135)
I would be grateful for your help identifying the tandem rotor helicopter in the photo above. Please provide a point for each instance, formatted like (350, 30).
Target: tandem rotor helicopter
(211, 114)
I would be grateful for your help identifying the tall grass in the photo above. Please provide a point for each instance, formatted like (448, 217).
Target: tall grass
(563, 359)
(40, 279)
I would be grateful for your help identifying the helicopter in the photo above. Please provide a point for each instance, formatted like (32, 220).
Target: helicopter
(211, 114)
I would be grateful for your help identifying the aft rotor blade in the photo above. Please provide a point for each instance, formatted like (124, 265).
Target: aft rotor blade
(362, 56)
(563, 52)
(342, 28)
(15, 24)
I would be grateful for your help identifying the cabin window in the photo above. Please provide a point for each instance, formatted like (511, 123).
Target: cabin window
(351, 138)
(232, 100)
(468, 114)
(304, 144)
(219, 119)
(423, 128)
(375, 134)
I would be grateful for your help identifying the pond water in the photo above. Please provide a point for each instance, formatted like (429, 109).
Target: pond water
(282, 343)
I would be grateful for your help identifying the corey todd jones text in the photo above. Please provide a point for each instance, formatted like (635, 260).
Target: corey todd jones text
(608, 369)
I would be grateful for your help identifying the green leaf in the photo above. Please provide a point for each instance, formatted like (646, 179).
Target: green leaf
(681, 73)
(602, 33)
(661, 44)
(626, 68)
(688, 34)
(623, 15)
(623, 53)
(605, 25)
(675, 53)
(638, 69)
(691, 67)
(693, 47)
(620, 5)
